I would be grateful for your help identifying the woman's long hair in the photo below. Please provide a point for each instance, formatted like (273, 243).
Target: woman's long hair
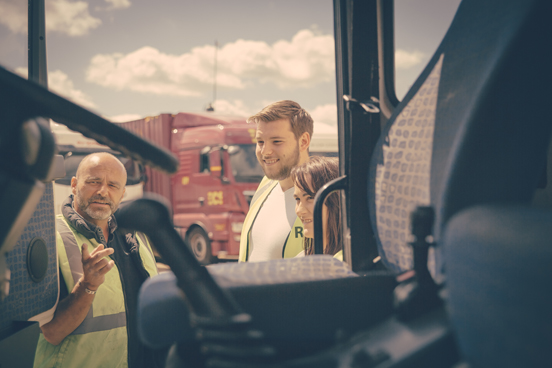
(310, 177)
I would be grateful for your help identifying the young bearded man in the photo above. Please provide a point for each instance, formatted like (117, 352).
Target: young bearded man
(271, 228)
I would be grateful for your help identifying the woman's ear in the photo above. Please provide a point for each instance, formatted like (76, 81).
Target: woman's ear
(304, 141)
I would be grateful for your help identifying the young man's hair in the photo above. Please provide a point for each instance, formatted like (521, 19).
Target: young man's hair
(300, 120)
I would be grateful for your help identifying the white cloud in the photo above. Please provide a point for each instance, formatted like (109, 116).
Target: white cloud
(222, 107)
(235, 107)
(118, 4)
(60, 83)
(405, 59)
(150, 71)
(70, 17)
(63, 16)
(324, 129)
(123, 118)
(14, 15)
(306, 60)
(326, 114)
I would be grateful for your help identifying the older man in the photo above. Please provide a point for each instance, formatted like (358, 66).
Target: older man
(101, 271)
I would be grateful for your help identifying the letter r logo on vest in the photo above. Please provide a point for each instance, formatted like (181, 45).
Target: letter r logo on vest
(298, 232)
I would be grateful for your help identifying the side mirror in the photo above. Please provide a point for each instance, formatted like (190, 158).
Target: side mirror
(223, 178)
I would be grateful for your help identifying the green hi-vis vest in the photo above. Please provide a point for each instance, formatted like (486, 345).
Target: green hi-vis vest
(294, 242)
(101, 339)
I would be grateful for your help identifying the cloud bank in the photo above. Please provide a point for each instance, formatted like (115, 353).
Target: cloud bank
(406, 60)
(304, 61)
(118, 4)
(123, 118)
(326, 114)
(68, 17)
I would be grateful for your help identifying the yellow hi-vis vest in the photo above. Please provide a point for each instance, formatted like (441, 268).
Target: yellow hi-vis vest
(101, 339)
(294, 242)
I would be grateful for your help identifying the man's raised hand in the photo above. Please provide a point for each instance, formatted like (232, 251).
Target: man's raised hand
(95, 266)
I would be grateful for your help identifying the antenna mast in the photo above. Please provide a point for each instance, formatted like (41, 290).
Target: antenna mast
(211, 106)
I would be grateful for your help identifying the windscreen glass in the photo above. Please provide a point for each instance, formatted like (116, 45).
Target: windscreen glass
(419, 28)
(245, 167)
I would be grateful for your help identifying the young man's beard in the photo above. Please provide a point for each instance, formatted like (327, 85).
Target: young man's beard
(285, 171)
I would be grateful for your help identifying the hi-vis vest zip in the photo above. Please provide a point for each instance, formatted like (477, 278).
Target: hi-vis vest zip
(294, 242)
(105, 324)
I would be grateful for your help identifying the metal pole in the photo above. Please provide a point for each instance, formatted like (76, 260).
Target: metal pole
(215, 75)
(38, 71)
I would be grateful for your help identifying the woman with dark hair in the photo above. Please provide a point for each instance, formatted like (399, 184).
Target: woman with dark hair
(308, 178)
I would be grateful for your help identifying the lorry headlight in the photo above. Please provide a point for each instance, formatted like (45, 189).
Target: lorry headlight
(237, 227)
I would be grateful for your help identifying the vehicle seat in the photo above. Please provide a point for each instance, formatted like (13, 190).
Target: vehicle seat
(473, 129)
(498, 281)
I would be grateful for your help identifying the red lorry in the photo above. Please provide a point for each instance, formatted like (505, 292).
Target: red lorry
(218, 175)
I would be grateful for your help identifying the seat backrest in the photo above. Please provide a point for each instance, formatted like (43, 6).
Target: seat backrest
(28, 257)
(473, 128)
(498, 281)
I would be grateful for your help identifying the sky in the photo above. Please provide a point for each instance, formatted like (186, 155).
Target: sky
(128, 59)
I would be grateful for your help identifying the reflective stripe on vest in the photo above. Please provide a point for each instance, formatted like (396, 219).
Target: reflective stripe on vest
(72, 248)
(293, 244)
(98, 341)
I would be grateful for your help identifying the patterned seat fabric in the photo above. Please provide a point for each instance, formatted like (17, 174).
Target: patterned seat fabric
(281, 271)
(28, 299)
(402, 177)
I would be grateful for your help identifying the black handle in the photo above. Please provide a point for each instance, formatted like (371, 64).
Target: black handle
(28, 100)
(336, 184)
(206, 298)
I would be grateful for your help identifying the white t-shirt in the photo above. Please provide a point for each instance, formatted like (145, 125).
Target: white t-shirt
(272, 225)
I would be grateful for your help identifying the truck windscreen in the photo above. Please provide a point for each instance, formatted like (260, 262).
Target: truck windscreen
(245, 167)
(73, 159)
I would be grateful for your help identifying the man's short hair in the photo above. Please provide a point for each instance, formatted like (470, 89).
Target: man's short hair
(299, 118)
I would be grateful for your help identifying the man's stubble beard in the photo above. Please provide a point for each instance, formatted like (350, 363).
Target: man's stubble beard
(95, 214)
(285, 171)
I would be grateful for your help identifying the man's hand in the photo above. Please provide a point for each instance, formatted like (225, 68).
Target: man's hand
(72, 310)
(95, 266)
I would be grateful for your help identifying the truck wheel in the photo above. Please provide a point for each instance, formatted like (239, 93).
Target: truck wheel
(201, 246)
